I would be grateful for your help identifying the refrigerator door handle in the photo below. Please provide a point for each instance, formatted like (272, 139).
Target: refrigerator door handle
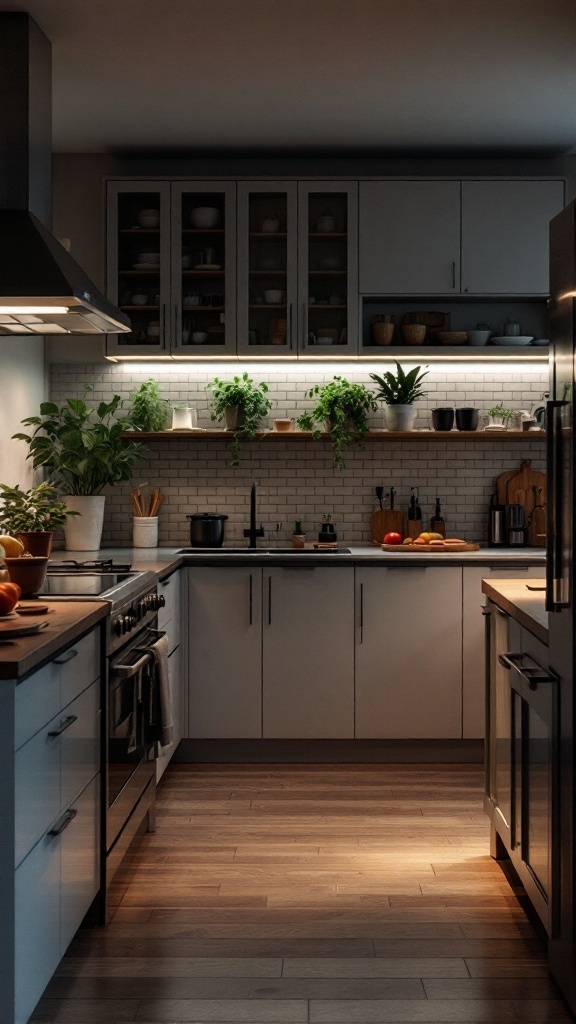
(554, 539)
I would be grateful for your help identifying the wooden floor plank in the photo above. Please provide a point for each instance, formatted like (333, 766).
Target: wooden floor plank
(321, 894)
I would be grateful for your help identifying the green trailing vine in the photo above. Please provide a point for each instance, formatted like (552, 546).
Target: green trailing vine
(342, 409)
(250, 402)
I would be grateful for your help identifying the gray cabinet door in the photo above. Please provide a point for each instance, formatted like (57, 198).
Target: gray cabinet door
(308, 653)
(79, 862)
(505, 235)
(473, 648)
(409, 239)
(225, 654)
(37, 924)
(408, 653)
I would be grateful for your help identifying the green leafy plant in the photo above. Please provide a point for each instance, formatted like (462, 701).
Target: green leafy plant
(81, 447)
(250, 405)
(149, 409)
(502, 412)
(400, 388)
(342, 408)
(298, 531)
(35, 510)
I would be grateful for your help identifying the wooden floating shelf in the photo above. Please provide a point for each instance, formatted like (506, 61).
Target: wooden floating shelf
(138, 231)
(372, 435)
(268, 234)
(203, 231)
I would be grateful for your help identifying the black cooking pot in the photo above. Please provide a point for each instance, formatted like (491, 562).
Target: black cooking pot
(206, 530)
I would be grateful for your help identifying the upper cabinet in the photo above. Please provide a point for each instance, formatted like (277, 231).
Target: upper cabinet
(505, 235)
(447, 238)
(409, 238)
(171, 266)
(297, 268)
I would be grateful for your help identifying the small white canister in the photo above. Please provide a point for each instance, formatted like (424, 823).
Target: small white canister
(145, 532)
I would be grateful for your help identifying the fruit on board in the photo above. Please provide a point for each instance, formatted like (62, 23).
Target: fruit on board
(393, 538)
(408, 540)
(13, 548)
(9, 595)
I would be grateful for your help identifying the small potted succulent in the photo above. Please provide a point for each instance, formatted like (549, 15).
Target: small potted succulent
(298, 536)
(499, 416)
(342, 408)
(32, 516)
(242, 404)
(399, 391)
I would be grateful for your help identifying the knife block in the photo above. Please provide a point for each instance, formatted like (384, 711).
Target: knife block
(413, 528)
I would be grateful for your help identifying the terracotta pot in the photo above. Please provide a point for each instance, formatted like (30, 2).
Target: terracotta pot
(28, 573)
(37, 542)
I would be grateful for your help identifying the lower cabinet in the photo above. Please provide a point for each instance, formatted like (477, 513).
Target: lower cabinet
(522, 763)
(408, 653)
(308, 653)
(225, 654)
(473, 667)
(170, 621)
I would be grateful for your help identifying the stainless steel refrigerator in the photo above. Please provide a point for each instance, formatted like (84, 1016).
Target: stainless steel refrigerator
(560, 588)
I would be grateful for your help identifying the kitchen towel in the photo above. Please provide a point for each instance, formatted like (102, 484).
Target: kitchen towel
(163, 719)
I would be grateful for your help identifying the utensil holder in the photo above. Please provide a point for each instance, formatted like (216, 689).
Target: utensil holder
(145, 532)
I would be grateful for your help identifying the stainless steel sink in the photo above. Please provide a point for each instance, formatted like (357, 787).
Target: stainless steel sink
(264, 551)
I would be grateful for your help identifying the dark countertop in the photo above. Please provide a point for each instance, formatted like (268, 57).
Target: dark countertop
(524, 605)
(163, 561)
(66, 621)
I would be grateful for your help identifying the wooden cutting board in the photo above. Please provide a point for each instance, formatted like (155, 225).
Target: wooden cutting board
(418, 548)
(502, 483)
(386, 520)
(517, 487)
(537, 533)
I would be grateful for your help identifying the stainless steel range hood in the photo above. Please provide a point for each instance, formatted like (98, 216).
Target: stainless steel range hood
(42, 288)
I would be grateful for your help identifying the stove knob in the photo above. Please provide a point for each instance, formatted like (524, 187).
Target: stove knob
(140, 610)
(130, 621)
(119, 625)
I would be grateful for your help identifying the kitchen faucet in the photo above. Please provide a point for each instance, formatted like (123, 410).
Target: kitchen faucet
(253, 532)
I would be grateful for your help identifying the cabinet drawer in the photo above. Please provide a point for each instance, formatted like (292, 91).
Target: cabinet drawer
(37, 930)
(40, 696)
(170, 589)
(37, 787)
(79, 862)
(79, 744)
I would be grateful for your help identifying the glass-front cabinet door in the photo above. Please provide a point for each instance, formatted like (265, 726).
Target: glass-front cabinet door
(267, 268)
(203, 269)
(138, 265)
(328, 268)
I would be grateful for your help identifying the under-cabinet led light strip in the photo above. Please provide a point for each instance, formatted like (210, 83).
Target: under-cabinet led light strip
(498, 367)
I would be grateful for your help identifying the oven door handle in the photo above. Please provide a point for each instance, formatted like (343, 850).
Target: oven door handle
(126, 671)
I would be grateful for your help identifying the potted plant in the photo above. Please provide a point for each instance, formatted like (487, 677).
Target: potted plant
(243, 405)
(298, 536)
(32, 516)
(83, 452)
(499, 416)
(149, 409)
(342, 408)
(399, 391)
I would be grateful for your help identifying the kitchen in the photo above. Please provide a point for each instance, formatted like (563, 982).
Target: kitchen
(273, 905)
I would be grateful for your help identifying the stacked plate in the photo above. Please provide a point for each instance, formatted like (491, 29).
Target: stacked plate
(147, 261)
(518, 339)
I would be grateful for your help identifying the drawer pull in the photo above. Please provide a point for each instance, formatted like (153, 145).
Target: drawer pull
(66, 657)
(65, 820)
(533, 675)
(64, 725)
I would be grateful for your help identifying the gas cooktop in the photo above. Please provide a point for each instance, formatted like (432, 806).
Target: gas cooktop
(69, 566)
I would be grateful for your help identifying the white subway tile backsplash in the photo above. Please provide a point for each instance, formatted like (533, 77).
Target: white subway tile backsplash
(297, 479)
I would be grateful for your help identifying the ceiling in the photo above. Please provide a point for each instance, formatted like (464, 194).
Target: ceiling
(389, 76)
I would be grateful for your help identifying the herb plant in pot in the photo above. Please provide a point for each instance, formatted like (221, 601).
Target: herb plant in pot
(399, 391)
(243, 405)
(32, 516)
(342, 408)
(83, 452)
(499, 417)
(149, 410)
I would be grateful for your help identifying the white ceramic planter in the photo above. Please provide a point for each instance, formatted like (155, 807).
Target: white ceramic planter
(400, 417)
(84, 532)
(145, 532)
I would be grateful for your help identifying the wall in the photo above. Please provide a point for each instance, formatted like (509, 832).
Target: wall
(297, 479)
(22, 388)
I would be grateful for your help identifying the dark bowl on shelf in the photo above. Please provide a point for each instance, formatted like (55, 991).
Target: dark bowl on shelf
(467, 419)
(442, 419)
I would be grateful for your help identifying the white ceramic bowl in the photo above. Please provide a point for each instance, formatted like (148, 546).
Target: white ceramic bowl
(273, 296)
(519, 339)
(205, 217)
(199, 337)
(149, 257)
(149, 218)
(139, 299)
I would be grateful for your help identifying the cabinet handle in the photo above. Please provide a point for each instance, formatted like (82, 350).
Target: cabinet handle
(361, 613)
(507, 661)
(66, 657)
(163, 323)
(533, 676)
(177, 324)
(502, 613)
(486, 611)
(290, 325)
(65, 724)
(63, 823)
(512, 565)
(174, 651)
(453, 273)
(250, 598)
(269, 600)
(303, 346)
